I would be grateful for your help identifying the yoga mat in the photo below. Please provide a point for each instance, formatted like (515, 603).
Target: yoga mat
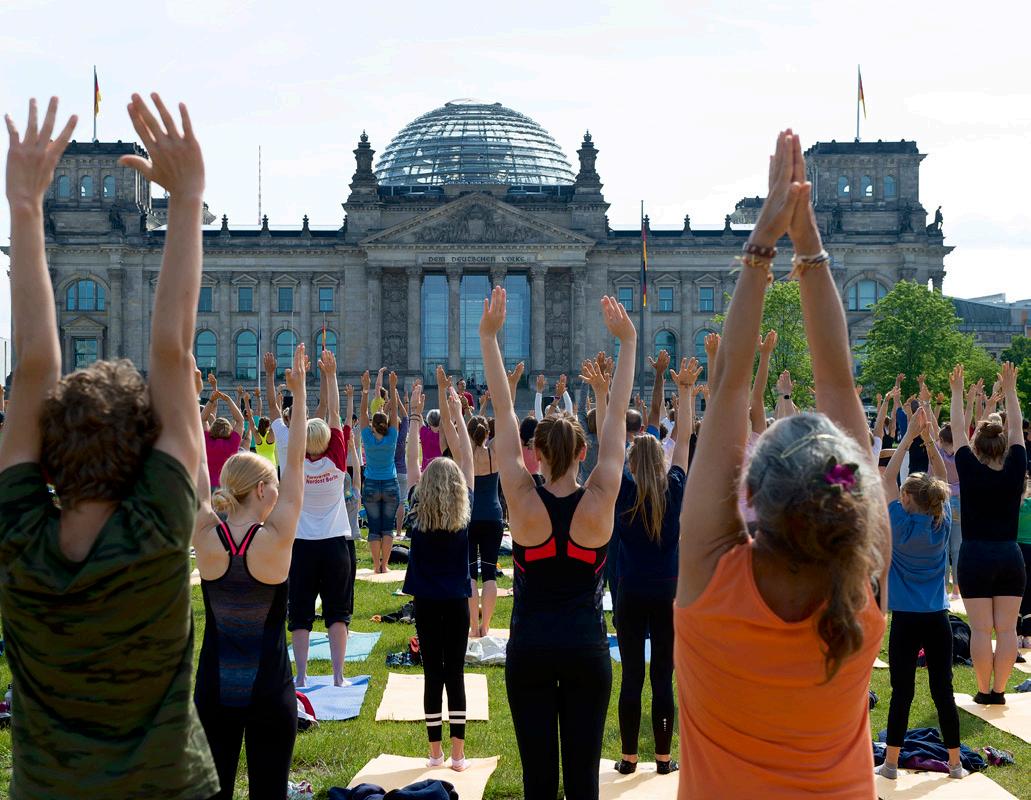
(335, 702)
(195, 578)
(644, 784)
(500, 633)
(606, 602)
(390, 576)
(938, 786)
(956, 606)
(1014, 717)
(1026, 666)
(359, 646)
(402, 699)
(614, 649)
(878, 664)
(396, 772)
(503, 592)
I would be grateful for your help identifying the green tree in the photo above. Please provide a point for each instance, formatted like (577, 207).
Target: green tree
(916, 331)
(782, 312)
(1019, 352)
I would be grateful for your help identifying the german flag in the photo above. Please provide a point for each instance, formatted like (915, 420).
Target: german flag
(96, 93)
(861, 99)
(644, 260)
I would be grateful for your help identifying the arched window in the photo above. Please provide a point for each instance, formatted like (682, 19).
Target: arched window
(331, 342)
(85, 296)
(843, 187)
(667, 340)
(64, 187)
(205, 350)
(866, 187)
(863, 294)
(286, 343)
(86, 186)
(109, 187)
(246, 356)
(699, 353)
(890, 192)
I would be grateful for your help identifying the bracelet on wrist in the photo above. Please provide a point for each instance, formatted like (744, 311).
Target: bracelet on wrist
(801, 264)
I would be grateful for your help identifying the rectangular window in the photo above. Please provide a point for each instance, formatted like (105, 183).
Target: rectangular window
(665, 298)
(625, 295)
(707, 298)
(85, 352)
(325, 298)
(286, 298)
(245, 298)
(204, 303)
(435, 313)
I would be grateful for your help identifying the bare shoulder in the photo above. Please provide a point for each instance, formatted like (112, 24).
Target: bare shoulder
(528, 518)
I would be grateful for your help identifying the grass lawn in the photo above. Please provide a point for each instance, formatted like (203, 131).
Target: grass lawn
(332, 754)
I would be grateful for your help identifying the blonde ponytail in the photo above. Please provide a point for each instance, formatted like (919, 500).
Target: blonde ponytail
(240, 475)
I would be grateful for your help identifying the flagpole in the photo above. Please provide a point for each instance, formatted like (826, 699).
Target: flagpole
(94, 102)
(858, 83)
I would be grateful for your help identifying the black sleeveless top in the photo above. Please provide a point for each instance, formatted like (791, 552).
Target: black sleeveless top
(558, 586)
(243, 658)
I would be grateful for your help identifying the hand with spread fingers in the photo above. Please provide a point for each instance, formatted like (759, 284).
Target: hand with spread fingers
(617, 321)
(493, 319)
(175, 158)
(295, 374)
(32, 156)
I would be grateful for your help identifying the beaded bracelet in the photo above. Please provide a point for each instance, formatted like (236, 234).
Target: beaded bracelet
(802, 264)
(758, 250)
(757, 262)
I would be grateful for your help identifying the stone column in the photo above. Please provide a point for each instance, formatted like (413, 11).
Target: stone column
(266, 345)
(147, 288)
(414, 272)
(537, 318)
(578, 333)
(937, 276)
(454, 322)
(224, 363)
(115, 312)
(374, 285)
(305, 297)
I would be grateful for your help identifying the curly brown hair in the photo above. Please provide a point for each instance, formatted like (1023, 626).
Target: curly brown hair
(97, 427)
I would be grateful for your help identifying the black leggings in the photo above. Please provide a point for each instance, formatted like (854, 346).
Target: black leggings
(639, 615)
(911, 630)
(443, 628)
(484, 546)
(559, 693)
(1024, 622)
(268, 727)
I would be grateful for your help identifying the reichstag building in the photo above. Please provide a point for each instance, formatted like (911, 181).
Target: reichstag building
(464, 197)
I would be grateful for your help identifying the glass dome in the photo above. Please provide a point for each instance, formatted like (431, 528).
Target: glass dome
(469, 142)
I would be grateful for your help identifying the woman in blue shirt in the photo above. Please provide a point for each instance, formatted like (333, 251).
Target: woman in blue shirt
(920, 522)
(380, 491)
(438, 569)
(647, 529)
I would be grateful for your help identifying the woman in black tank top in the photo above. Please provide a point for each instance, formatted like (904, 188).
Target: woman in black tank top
(558, 672)
(245, 689)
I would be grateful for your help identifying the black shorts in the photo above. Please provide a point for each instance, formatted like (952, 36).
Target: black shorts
(320, 567)
(484, 547)
(990, 569)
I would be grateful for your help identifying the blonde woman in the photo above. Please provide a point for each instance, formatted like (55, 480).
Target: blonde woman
(646, 538)
(244, 686)
(438, 568)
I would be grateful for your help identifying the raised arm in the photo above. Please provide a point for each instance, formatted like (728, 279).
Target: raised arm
(257, 403)
(591, 373)
(363, 409)
(234, 412)
(705, 537)
(176, 164)
(1014, 416)
(206, 517)
(889, 480)
(283, 519)
(757, 401)
(320, 409)
(30, 169)
(349, 409)
(274, 409)
(957, 416)
(538, 410)
(328, 370)
(393, 401)
(379, 381)
(415, 419)
(882, 414)
(513, 379)
(660, 365)
(457, 434)
(685, 381)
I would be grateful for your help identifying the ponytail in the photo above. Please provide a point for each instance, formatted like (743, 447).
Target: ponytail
(930, 494)
(560, 439)
(240, 475)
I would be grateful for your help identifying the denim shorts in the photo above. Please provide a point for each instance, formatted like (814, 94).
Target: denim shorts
(380, 499)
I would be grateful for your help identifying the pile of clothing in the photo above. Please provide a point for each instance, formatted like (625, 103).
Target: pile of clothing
(422, 790)
(923, 749)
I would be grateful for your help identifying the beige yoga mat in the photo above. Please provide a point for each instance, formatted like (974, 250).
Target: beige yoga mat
(1014, 717)
(390, 576)
(878, 664)
(195, 578)
(503, 592)
(938, 786)
(956, 606)
(396, 772)
(644, 784)
(402, 699)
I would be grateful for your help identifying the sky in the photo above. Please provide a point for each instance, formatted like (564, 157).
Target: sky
(683, 99)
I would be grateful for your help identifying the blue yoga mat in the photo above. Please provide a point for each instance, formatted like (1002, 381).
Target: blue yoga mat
(359, 646)
(336, 702)
(614, 649)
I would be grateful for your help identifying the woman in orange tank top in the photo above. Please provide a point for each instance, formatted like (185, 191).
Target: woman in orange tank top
(776, 635)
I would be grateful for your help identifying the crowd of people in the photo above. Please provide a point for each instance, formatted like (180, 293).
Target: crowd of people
(791, 535)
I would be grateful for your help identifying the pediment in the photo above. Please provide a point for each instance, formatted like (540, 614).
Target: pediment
(476, 219)
(83, 324)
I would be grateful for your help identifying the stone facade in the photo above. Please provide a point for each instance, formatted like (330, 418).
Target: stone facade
(364, 280)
